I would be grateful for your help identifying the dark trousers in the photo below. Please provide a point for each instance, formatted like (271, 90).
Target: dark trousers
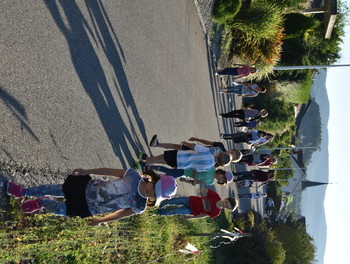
(229, 71)
(239, 137)
(242, 124)
(234, 114)
(244, 175)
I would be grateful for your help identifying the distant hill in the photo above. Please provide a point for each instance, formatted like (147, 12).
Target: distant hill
(313, 132)
(313, 129)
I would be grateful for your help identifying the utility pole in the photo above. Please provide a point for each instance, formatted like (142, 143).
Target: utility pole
(309, 67)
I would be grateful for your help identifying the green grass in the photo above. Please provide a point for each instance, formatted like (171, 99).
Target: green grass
(43, 238)
(296, 92)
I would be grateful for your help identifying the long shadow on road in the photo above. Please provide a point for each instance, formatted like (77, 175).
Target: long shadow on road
(18, 111)
(76, 30)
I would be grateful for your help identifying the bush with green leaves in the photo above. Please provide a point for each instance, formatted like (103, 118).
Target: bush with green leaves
(281, 113)
(297, 24)
(261, 21)
(257, 32)
(225, 10)
(274, 249)
(289, 3)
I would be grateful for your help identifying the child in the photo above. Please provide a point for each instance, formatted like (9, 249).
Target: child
(240, 71)
(250, 124)
(246, 114)
(251, 137)
(127, 194)
(257, 195)
(203, 177)
(258, 159)
(256, 175)
(214, 147)
(243, 89)
(200, 158)
(209, 203)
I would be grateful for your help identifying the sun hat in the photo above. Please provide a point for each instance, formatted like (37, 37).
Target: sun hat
(165, 188)
(229, 176)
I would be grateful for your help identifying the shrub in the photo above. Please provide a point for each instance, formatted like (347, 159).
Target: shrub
(258, 34)
(274, 249)
(297, 24)
(281, 113)
(225, 10)
(261, 20)
(289, 3)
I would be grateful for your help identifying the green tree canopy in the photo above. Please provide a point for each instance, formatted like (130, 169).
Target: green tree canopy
(297, 243)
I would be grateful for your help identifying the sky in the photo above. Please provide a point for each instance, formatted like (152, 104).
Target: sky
(338, 194)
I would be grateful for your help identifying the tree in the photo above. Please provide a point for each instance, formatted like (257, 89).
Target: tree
(297, 24)
(297, 243)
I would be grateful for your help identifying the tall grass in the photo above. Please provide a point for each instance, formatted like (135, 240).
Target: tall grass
(258, 33)
(297, 92)
(261, 21)
(225, 10)
(41, 238)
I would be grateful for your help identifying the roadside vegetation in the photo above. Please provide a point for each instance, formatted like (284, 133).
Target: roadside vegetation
(268, 34)
(269, 243)
(43, 238)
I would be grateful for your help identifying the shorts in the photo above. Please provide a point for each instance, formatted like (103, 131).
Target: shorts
(170, 157)
(74, 192)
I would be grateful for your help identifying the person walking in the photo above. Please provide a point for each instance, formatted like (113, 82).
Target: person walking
(208, 204)
(254, 195)
(128, 193)
(243, 89)
(246, 114)
(194, 177)
(263, 177)
(213, 146)
(252, 137)
(240, 71)
(258, 159)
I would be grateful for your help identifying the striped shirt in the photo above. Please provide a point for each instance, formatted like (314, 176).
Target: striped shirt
(200, 159)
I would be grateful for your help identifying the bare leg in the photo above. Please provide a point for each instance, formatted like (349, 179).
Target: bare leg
(169, 146)
(155, 159)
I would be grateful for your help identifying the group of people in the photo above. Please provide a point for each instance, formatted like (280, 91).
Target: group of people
(128, 192)
(251, 119)
(241, 89)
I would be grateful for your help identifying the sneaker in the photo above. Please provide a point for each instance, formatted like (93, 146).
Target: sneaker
(139, 165)
(220, 115)
(154, 141)
(142, 155)
(217, 74)
(15, 190)
(221, 90)
(31, 206)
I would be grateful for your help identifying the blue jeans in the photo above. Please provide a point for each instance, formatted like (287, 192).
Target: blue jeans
(53, 206)
(234, 89)
(176, 173)
(42, 190)
(182, 209)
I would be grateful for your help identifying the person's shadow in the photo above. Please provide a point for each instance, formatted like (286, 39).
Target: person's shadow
(18, 111)
(77, 31)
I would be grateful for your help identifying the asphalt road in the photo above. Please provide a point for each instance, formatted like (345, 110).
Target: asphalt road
(87, 83)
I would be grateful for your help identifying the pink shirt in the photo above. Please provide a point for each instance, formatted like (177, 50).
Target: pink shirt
(244, 70)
